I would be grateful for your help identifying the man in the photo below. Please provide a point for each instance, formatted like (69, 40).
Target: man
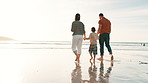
(104, 37)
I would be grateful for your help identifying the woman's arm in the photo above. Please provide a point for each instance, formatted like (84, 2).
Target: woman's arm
(87, 38)
(72, 28)
(84, 36)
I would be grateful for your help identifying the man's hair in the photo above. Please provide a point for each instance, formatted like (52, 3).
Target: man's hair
(93, 29)
(101, 14)
(77, 17)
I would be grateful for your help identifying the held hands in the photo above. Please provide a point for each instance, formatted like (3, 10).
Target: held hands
(84, 38)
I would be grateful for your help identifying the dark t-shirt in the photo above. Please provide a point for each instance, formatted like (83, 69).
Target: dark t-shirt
(78, 28)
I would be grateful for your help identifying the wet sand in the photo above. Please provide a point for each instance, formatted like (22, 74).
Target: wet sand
(58, 66)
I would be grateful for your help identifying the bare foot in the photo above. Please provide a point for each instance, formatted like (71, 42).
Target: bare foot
(75, 52)
(112, 58)
(101, 59)
(112, 64)
(76, 59)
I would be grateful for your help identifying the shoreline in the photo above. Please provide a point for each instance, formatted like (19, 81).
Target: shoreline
(57, 65)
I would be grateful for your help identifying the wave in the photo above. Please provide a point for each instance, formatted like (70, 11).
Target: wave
(132, 46)
(69, 43)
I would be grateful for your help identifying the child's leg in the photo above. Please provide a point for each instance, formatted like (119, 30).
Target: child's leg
(94, 58)
(91, 55)
(95, 52)
(90, 52)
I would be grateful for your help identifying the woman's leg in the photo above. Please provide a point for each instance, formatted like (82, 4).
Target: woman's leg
(74, 45)
(79, 46)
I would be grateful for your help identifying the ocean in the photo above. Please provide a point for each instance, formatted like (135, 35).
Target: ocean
(131, 46)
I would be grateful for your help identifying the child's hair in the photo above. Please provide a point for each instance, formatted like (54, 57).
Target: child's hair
(93, 29)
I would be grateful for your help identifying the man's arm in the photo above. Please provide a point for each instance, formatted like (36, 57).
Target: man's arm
(99, 30)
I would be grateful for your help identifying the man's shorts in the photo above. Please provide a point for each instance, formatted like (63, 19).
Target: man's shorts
(93, 49)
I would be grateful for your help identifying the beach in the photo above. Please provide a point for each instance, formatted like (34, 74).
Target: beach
(53, 62)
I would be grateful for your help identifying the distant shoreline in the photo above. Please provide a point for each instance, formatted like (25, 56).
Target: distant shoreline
(23, 41)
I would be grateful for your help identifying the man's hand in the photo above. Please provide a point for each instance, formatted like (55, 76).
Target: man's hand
(84, 38)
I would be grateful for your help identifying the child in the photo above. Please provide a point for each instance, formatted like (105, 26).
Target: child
(93, 37)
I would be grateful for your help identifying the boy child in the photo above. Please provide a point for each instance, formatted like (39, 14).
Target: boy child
(93, 37)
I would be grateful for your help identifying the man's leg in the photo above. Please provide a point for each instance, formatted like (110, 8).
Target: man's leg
(101, 42)
(107, 41)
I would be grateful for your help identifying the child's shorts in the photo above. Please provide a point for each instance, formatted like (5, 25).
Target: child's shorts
(93, 49)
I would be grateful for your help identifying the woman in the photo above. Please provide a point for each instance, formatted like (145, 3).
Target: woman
(78, 32)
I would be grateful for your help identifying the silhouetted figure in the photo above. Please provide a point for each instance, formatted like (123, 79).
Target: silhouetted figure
(104, 31)
(78, 30)
(141, 44)
(93, 37)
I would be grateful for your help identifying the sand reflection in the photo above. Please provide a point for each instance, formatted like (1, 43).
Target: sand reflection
(95, 75)
(76, 75)
(104, 76)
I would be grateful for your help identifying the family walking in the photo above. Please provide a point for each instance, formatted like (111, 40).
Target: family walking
(104, 30)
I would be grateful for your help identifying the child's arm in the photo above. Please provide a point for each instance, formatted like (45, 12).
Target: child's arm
(87, 39)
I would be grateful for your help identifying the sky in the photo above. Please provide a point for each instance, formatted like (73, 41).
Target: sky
(50, 20)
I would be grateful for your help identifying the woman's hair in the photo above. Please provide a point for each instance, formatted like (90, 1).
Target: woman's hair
(93, 29)
(77, 17)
